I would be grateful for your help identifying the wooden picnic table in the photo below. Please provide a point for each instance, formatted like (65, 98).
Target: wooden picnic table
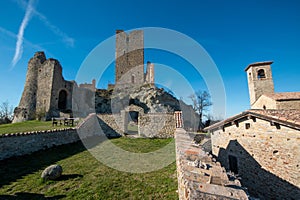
(64, 121)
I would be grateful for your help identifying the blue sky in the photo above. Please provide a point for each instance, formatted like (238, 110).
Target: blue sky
(234, 33)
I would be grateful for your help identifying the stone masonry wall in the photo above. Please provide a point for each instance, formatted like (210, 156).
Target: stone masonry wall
(111, 124)
(287, 105)
(18, 144)
(258, 87)
(264, 101)
(267, 157)
(199, 176)
(160, 125)
(130, 57)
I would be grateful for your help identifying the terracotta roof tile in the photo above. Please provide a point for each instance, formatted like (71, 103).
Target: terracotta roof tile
(284, 96)
(289, 118)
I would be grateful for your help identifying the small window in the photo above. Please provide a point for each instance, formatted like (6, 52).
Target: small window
(132, 78)
(264, 107)
(261, 74)
(247, 125)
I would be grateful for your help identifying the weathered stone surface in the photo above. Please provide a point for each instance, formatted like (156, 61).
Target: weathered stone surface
(52, 172)
(199, 177)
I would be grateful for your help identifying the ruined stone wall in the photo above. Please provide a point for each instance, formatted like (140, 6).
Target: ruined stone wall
(159, 125)
(18, 144)
(27, 106)
(199, 176)
(267, 157)
(111, 124)
(40, 97)
(130, 57)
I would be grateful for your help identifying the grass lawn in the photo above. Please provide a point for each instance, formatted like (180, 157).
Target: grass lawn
(84, 177)
(27, 126)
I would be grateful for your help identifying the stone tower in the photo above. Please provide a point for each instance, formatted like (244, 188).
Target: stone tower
(129, 57)
(46, 94)
(260, 80)
(27, 105)
(149, 76)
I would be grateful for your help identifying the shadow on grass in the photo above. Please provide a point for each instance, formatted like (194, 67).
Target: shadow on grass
(14, 168)
(25, 196)
(69, 176)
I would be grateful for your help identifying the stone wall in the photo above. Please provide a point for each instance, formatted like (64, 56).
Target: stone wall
(199, 176)
(287, 105)
(17, 144)
(159, 125)
(111, 125)
(264, 102)
(267, 156)
(259, 86)
(130, 57)
(151, 125)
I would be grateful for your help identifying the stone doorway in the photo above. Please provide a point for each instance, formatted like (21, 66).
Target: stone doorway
(62, 100)
(233, 164)
(133, 119)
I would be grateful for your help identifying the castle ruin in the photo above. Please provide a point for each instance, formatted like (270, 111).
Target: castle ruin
(46, 92)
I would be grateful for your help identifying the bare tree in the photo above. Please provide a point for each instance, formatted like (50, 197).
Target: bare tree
(201, 102)
(6, 112)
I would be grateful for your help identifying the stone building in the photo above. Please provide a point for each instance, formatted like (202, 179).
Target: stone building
(261, 89)
(262, 144)
(46, 93)
(130, 59)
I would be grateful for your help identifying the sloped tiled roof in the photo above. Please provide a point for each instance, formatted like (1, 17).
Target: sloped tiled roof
(258, 64)
(290, 118)
(284, 96)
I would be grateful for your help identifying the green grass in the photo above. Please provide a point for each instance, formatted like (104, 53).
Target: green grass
(132, 128)
(84, 177)
(28, 126)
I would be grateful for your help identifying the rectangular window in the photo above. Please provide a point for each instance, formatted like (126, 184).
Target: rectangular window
(247, 125)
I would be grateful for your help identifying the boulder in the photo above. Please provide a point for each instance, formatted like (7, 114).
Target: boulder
(52, 172)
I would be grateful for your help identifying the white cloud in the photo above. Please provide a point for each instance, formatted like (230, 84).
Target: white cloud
(20, 36)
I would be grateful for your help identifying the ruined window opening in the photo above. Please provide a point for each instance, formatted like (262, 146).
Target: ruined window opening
(132, 78)
(247, 125)
(62, 100)
(264, 107)
(261, 74)
(233, 164)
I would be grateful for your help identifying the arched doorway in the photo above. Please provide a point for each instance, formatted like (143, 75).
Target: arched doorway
(62, 100)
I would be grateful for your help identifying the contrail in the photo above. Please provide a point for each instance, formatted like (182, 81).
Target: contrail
(65, 38)
(14, 36)
(20, 36)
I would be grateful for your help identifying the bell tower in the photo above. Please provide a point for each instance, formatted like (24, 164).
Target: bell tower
(260, 80)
